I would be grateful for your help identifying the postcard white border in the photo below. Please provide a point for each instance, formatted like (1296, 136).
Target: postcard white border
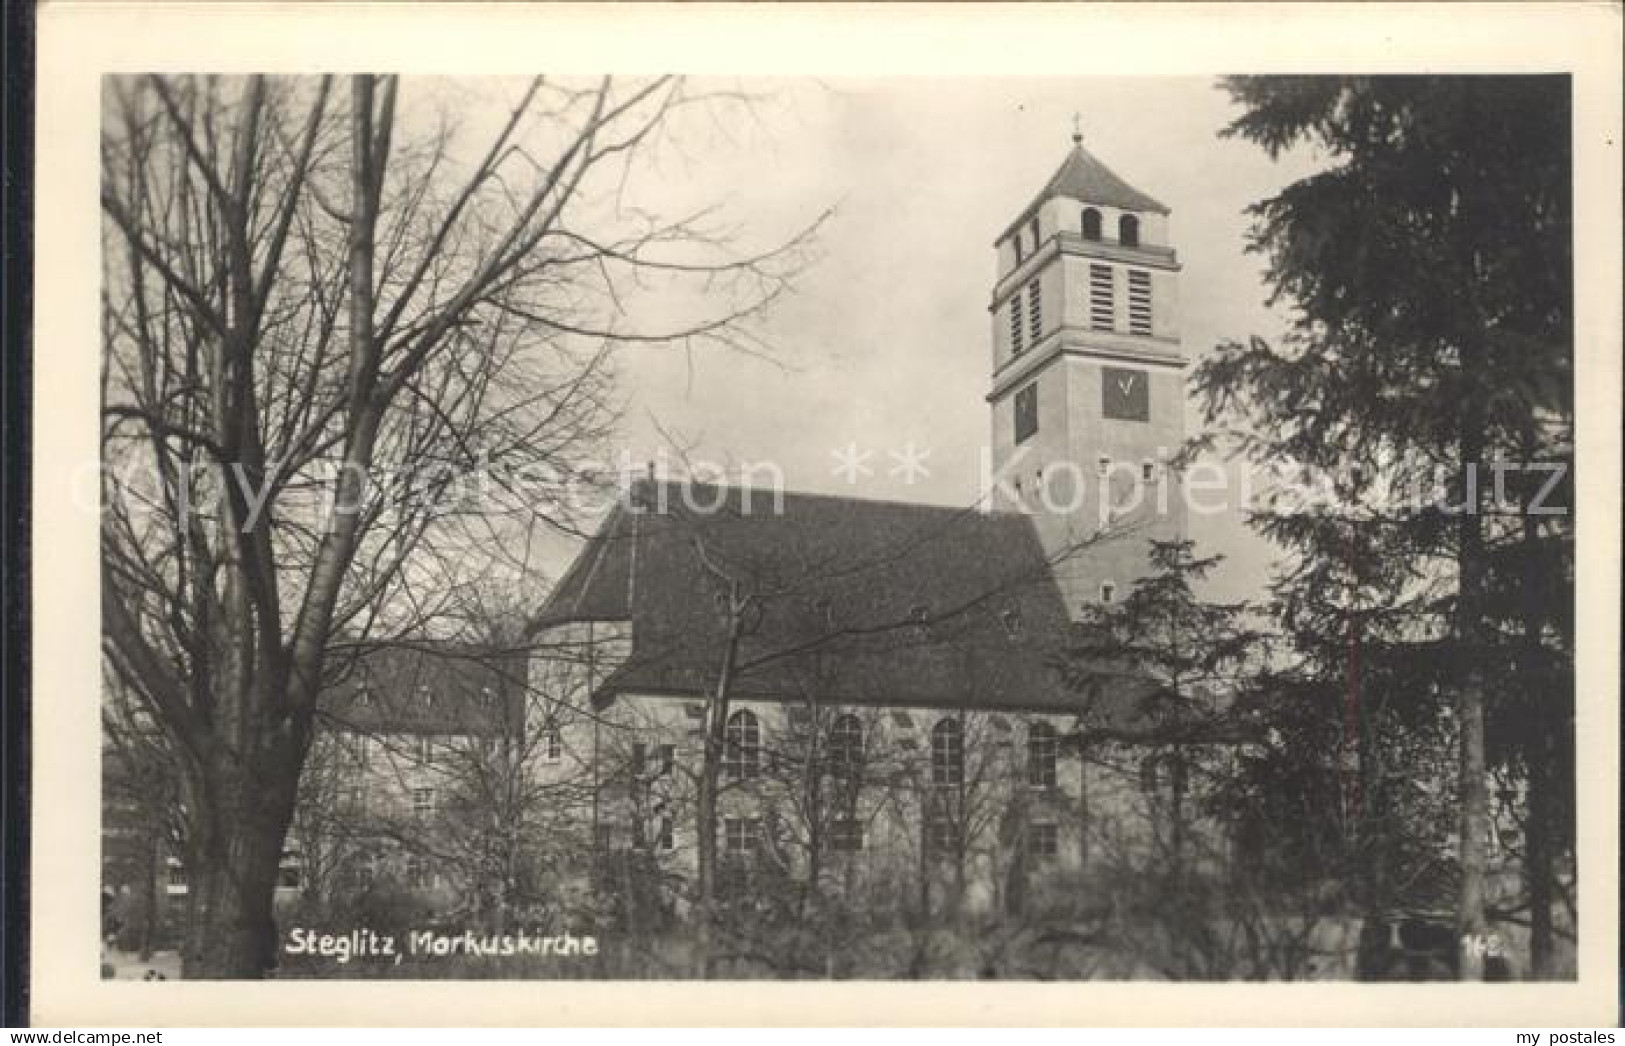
(79, 41)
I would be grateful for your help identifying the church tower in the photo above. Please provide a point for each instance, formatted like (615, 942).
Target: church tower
(1088, 384)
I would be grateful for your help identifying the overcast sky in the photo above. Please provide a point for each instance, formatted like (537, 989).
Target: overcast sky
(886, 340)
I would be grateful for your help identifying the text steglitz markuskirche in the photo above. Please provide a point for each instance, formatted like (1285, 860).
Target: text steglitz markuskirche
(373, 945)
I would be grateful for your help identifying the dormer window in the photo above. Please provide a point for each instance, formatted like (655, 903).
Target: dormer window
(1091, 224)
(1128, 231)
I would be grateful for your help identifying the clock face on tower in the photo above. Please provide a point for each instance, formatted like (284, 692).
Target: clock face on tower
(1125, 394)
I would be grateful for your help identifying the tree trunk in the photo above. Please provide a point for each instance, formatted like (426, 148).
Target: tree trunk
(716, 718)
(1472, 922)
(1540, 813)
(1538, 864)
(149, 895)
(706, 850)
(235, 851)
(1084, 820)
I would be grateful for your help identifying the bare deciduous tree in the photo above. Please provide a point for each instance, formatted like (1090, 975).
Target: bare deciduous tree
(320, 317)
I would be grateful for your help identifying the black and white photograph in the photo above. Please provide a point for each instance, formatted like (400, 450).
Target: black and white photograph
(643, 527)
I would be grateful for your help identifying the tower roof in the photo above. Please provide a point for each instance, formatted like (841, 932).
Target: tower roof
(1083, 178)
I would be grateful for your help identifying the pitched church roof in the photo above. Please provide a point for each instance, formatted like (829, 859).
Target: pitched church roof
(1084, 178)
(428, 688)
(853, 601)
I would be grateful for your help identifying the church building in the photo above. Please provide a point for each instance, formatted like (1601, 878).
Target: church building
(882, 682)
(877, 690)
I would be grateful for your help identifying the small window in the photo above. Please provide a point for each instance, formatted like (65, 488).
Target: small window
(1032, 227)
(1042, 748)
(1016, 346)
(742, 757)
(424, 750)
(1103, 466)
(741, 835)
(1148, 471)
(845, 835)
(1091, 224)
(418, 874)
(1043, 840)
(423, 801)
(640, 757)
(1108, 591)
(1016, 241)
(290, 872)
(665, 837)
(846, 745)
(1035, 315)
(1150, 774)
(1102, 305)
(1026, 412)
(552, 744)
(176, 879)
(947, 753)
(1128, 231)
(665, 756)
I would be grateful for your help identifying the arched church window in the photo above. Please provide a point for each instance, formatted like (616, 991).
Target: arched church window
(742, 756)
(947, 752)
(1091, 224)
(1041, 755)
(1128, 231)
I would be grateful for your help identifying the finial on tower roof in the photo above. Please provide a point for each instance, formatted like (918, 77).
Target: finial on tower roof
(1077, 128)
